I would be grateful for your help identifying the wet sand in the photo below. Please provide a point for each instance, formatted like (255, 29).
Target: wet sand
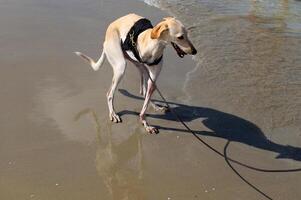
(58, 143)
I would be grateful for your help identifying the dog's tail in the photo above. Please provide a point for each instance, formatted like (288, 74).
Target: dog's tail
(94, 65)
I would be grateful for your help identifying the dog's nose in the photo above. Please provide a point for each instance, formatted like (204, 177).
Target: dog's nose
(194, 51)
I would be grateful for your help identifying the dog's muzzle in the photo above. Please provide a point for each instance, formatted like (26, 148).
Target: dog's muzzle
(179, 51)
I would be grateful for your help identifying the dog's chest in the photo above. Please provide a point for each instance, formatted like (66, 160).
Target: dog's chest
(152, 52)
(131, 56)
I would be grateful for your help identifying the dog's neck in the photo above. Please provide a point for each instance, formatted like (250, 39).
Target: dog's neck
(150, 49)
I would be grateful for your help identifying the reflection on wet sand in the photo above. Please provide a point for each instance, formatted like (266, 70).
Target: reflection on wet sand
(119, 165)
(245, 86)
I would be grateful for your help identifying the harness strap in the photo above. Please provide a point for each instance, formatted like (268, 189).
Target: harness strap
(130, 42)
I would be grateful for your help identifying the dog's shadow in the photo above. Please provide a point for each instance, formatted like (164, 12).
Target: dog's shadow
(223, 125)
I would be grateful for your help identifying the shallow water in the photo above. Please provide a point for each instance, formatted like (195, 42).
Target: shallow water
(249, 62)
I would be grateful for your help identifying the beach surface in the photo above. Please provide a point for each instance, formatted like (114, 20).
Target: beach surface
(241, 94)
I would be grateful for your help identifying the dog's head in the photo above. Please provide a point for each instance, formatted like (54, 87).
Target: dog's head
(172, 30)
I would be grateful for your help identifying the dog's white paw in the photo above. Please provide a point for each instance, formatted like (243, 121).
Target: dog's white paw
(151, 129)
(115, 118)
(159, 108)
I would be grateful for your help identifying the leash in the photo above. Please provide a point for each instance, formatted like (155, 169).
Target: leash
(227, 159)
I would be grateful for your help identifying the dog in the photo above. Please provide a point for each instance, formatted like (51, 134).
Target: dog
(133, 38)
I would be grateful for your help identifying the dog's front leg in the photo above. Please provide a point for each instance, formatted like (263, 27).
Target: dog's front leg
(149, 92)
(153, 72)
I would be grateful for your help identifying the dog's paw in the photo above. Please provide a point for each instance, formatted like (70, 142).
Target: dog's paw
(151, 129)
(159, 108)
(115, 118)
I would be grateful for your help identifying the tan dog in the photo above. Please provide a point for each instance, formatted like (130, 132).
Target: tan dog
(150, 46)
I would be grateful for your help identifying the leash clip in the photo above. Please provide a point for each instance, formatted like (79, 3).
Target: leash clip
(132, 39)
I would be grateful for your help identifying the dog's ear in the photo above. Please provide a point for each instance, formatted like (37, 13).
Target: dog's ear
(168, 18)
(158, 30)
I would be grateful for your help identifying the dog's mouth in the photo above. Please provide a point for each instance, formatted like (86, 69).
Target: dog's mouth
(179, 51)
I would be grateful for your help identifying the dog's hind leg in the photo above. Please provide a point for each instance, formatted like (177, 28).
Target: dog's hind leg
(143, 77)
(116, 59)
(143, 87)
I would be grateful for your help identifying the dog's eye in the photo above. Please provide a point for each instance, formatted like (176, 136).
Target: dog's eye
(181, 37)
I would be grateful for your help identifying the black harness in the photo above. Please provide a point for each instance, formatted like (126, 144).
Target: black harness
(130, 42)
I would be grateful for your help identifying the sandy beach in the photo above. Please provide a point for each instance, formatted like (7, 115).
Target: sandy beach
(57, 142)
